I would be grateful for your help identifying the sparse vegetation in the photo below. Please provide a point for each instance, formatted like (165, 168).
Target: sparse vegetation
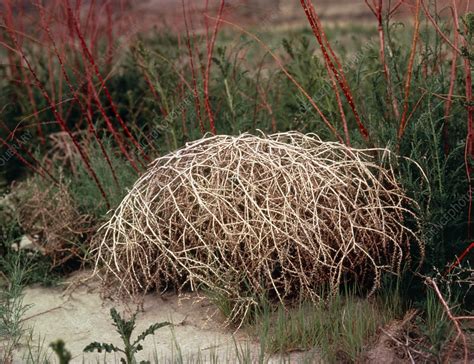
(339, 329)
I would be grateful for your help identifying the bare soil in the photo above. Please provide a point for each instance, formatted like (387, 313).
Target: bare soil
(79, 316)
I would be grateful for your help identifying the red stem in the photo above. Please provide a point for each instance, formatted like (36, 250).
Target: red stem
(31, 97)
(60, 120)
(416, 32)
(438, 30)
(90, 58)
(109, 31)
(377, 10)
(84, 112)
(25, 162)
(22, 159)
(197, 100)
(395, 8)
(291, 78)
(210, 49)
(452, 82)
(461, 257)
(338, 72)
(454, 320)
(111, 128)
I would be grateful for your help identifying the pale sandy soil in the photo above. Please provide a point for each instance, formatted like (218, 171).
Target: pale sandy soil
(79, 316)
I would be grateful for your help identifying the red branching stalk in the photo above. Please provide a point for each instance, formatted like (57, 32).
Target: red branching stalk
(461, 257)
(210, 50)
(337, 71)
(184, 111)
(31, 97)
(455, 320)
(341, 109)
(10, 51)
(89, 18)
(197, 100)
(395, 8)
(377, 8)
(60, 120)
(52, 81)
(91, 60)
(332, 75)
(84, 112)
(469, 148)
(290, 77)
(110, 126)
(416, 33)
(91, 93)
(8, 20)
(268, 107)
(415, 107)
(25, 162)
(206, 24)
(436, 26)
(19, 143)
(94, 32)
(452, 82)
(109, 30)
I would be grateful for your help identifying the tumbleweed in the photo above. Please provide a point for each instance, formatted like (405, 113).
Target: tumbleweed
(250, 216)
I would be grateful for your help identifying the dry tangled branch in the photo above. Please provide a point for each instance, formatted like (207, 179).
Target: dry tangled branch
(246, 216)
(49, 215)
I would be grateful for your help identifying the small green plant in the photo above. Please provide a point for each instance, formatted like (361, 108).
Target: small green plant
(436, 325)
(125, 330)
(59, 347)
(12, 307)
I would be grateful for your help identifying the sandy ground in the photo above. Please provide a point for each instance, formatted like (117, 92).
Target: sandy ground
(79, 317)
